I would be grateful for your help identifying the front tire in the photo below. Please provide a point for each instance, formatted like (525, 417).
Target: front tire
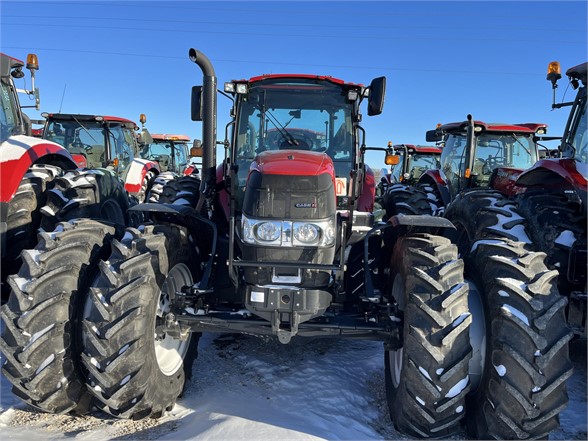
(526, 361)
(41, 336)
(135, 369)
(427, 379)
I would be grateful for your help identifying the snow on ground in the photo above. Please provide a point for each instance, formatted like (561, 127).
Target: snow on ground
(248, 388)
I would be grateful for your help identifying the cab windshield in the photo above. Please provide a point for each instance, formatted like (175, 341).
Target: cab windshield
(296, 115)
(493, 150)
(578, 134)
(170, 155)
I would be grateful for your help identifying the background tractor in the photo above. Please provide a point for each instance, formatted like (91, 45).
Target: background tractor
(172, 153)
(104, 142)
(396, 187)
(519, 316)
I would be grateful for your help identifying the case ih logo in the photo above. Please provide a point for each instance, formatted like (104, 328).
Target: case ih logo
(305, 205)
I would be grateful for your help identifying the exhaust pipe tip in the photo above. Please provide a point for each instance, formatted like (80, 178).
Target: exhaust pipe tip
(193, 54)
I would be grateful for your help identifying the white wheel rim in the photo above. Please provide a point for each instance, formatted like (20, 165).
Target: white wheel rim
(170, 352)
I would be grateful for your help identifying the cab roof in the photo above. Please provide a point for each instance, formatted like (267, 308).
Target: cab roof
(578, 72)
(168, 137)
(7, 63)
(299, 77)
(418, 148)
(492, 127)
(79, 117)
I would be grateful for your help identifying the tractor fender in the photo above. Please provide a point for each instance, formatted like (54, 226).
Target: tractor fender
(136, 173)
(18, 153)
(438, 180)
(546, 171)
(550, 174)
(421, 220)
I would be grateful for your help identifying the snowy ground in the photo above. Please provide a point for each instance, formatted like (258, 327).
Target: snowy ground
(247, 388)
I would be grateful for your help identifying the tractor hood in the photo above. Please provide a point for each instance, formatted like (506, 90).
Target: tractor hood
(294, 163)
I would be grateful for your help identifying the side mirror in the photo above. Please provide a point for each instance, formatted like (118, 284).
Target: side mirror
(196, 103)
(145, 137)
(433, 136)
(377, 95)
(196, 150)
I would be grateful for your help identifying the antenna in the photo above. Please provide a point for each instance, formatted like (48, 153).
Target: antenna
(62, 96)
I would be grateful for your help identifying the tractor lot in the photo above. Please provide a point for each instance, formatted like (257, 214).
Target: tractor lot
(248, 388)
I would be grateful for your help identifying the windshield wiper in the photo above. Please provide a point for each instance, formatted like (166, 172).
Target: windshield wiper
(83, 127)
(282, 129)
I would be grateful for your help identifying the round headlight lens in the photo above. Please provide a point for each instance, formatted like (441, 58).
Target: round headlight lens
(268, 231)
(307, 233)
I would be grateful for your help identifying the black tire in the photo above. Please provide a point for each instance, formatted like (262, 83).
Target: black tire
(146, 185)
(23, 219)
(433, 196)
(405, 199)
(40, 341)
(183, 190)
(159, 183)
(484, 215)
(525, 364)
(91, 194)
(122, 315)
(427, 379)
(556, 226)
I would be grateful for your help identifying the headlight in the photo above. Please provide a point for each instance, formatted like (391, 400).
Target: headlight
(306, 233)
(319, 233)
(268, 231)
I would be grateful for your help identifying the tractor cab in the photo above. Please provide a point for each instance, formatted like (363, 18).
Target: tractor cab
(475, 152)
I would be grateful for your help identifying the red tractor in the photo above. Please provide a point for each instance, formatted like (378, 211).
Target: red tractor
(172, 154)
(27, 166)
(519, 317)
(104, 143)
(395, 188)
(281, 242)
(552, 196)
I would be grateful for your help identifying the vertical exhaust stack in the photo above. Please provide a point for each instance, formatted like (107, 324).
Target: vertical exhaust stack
(208, 120)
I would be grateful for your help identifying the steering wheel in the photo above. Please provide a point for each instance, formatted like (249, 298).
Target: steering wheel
(490, 163)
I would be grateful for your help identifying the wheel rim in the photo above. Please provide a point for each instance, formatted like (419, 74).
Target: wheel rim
(170, 352)
(396, 356)
(111, 211)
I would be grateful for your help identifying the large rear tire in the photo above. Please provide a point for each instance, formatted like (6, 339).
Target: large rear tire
(41, 336)
(91, 194)
(557, 226)
(23, 219)
(427, 379)
(135, 369)
(525, 363)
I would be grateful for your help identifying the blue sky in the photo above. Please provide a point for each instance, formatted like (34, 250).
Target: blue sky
(442, 59)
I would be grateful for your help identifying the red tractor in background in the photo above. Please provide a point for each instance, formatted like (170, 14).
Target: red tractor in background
(552, 195)
(27, 166)
(104, 142)
(397, 185)
(519, 316)
(172, 154)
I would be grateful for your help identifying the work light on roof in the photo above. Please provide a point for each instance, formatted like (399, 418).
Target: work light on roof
(352, 95)
(241, 88)
(230, 87)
